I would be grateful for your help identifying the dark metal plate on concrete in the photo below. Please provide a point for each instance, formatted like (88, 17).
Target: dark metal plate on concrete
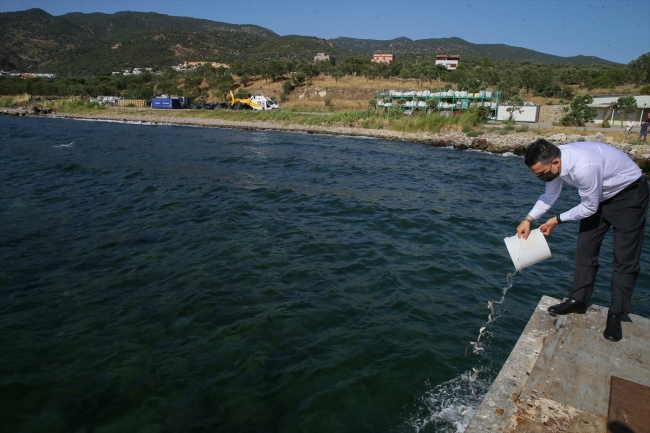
(629, 407)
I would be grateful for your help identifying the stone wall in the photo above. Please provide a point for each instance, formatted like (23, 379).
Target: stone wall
(550, 113)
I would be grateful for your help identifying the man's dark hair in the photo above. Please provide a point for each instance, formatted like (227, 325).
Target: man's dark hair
(541, 151)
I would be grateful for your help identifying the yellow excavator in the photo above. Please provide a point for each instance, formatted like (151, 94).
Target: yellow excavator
(259, 102)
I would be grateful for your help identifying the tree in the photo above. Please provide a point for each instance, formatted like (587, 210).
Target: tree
(297, 79)
(528, 76)
(639, 70)
(603, 82)
(236, 67)
(626, 105)
(252, 68)
(244, 80)
(516, 102)
(470, 84)
(545, 85)
(567, 92)
(225, 83)
(509, 85)
(580, 113)
(274, 69)
(287, 87)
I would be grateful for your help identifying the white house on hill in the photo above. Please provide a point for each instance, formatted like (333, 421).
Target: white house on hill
(450, 61)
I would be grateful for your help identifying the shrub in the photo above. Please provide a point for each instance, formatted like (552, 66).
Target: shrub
(473, 134)
(645, 90)
(298, 78)
(242, 94)
(521, 128)
(580, 113)
(287, 87)
(80, 106)
(6, 101)
(567, 92)
(481, 113)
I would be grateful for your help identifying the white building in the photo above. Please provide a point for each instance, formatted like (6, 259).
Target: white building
(450, 61)
(528, 112)
(324, 57)
(602, 103)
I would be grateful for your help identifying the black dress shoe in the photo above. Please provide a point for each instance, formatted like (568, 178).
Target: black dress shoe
(613, 331)
(568, 306)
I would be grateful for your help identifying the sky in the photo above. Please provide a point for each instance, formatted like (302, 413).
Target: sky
(616, 30)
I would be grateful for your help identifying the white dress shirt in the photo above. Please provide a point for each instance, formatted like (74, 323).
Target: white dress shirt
(598, 171)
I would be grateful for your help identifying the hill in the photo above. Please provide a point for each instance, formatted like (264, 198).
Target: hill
(431, 47)
(34, 40)
(78, 43)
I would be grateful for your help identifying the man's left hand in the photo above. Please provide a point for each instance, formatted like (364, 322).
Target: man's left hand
(548, 226)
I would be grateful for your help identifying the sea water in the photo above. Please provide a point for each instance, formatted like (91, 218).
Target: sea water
(167, 278)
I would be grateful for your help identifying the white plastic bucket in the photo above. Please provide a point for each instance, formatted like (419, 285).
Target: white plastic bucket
(528, 252)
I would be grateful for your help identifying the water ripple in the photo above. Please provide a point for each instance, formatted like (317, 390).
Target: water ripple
(214, 280)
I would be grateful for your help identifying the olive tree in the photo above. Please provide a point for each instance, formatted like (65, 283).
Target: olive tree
(625, 105)
(580, 113)
(516, 104)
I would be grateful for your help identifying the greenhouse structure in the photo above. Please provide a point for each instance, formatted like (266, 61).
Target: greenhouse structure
(447, 102)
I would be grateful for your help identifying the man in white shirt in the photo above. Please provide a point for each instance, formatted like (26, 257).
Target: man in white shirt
(628, 128)
(612, 192)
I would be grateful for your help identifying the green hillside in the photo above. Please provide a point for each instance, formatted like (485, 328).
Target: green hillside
(113, 27)
(78, 44)
(430, 47)
(296, 48)
(158, 49)
(36, 41)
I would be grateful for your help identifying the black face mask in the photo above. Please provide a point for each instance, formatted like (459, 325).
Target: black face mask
(548, 176)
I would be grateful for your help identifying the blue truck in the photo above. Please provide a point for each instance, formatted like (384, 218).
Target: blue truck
(170, 102)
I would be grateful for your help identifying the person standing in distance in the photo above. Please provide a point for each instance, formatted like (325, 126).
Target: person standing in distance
(628, 127)
(613, 192)
(643, 132)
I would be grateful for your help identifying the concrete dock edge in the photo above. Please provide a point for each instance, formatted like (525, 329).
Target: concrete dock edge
(557, 378)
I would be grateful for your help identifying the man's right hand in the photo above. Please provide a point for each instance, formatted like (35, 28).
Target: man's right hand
(523, 230)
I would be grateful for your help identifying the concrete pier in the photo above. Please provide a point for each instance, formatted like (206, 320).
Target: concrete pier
(563, 376)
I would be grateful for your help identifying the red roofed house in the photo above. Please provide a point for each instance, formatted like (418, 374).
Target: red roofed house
(383, 58)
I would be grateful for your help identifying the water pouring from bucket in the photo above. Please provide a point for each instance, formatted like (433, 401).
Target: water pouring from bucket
(523, 252)
(527, 252)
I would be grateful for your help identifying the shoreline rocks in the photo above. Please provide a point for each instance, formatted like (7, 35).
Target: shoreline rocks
(492, 142)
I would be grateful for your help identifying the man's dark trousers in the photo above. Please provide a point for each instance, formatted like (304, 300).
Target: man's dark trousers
(626, 212)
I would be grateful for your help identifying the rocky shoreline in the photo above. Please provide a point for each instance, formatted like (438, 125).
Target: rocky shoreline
(493, 142)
